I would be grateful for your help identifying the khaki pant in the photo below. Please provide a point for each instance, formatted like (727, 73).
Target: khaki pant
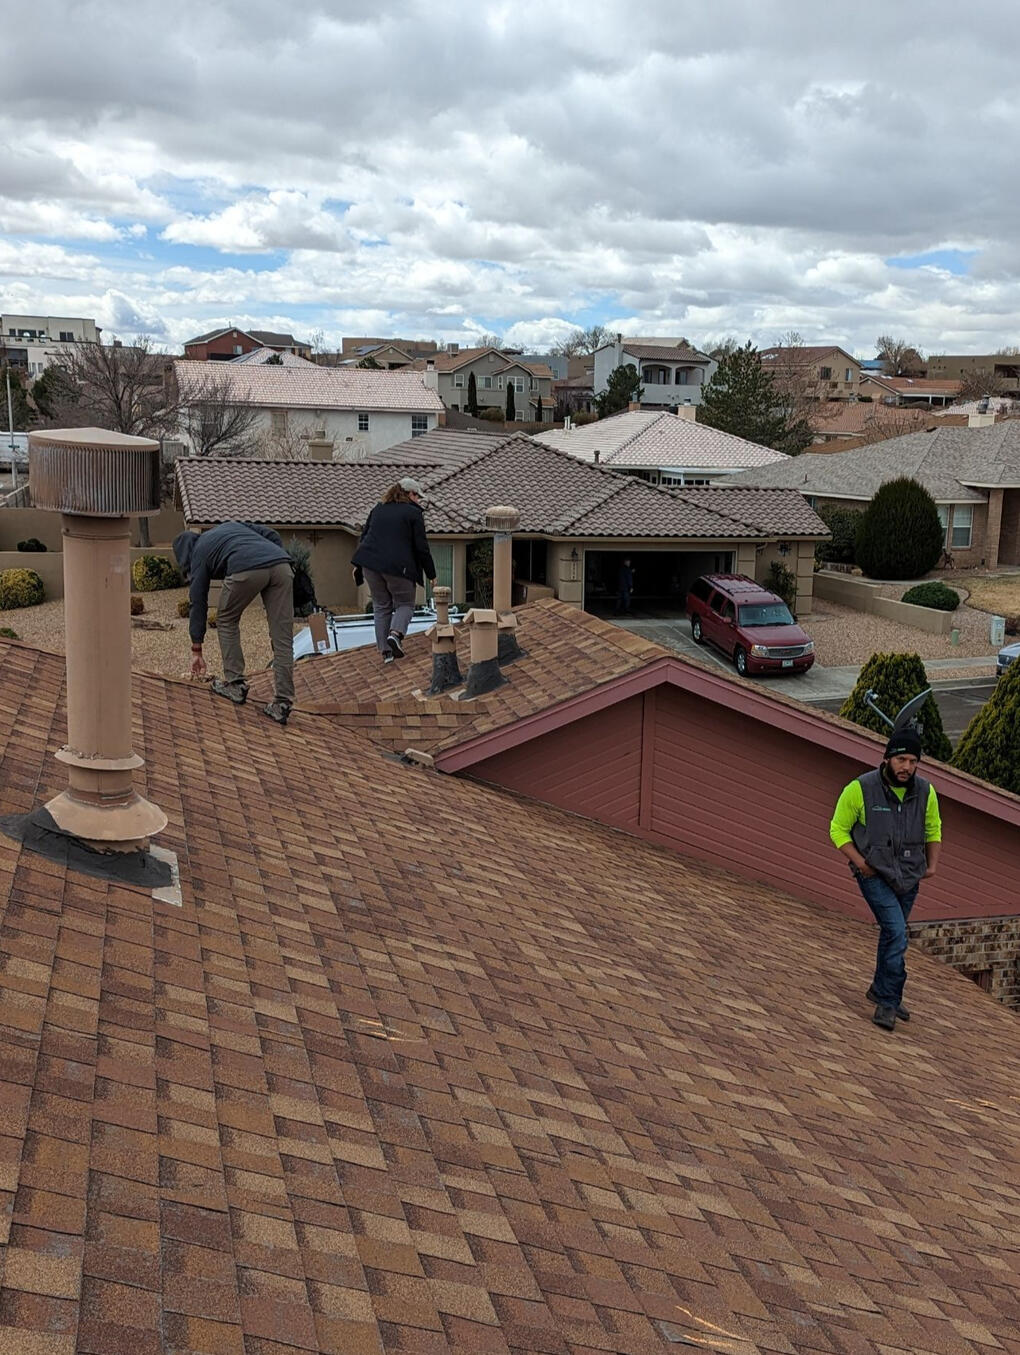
(275, 585)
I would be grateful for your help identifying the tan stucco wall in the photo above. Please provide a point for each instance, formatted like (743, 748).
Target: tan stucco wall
(18, 524)
(864, 596)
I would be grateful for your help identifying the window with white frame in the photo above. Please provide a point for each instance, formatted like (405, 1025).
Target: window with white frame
(520, 383)
(278, 423)
(419, 425)
(458, 379)
(362, 423)
(499, 382)
(963, 526)
(486, 383)
(943, 511)
(849, 375)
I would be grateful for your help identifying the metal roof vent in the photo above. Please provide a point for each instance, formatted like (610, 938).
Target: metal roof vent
(94, 472)
(502, 519)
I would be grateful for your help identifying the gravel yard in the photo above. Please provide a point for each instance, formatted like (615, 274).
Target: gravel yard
(152, 651)
(844, 636)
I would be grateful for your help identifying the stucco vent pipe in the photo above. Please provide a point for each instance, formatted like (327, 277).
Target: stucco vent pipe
(445, 669)
(98, 480)
(503, 521)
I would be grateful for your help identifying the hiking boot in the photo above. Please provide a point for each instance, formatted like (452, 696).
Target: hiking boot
(901, 1012)
(396, 647)
(233, 691)
(278, 711)
(885, 1017)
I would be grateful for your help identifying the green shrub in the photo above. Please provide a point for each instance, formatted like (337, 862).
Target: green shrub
(842, 523)
(137, 604)
(20, 588)
(578, 420)
(933, 594)
(1013, 625)
(493, 414)
(783, 581)
(32, 544)
(990, 745)
(895, 678)
(9, 634)
(184, 607)
(899, 535)
(210, 618)
(153, 573)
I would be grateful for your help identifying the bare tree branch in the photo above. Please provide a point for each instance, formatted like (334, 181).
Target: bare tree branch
(215, 424)
(116, 386)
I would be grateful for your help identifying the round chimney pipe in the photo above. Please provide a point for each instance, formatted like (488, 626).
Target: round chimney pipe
(98, 479)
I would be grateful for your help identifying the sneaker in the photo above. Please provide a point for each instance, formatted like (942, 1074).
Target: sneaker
(278, 711)
(394, 642)
(885, 1017)
(233, 691)
(901, 1012)
(389, 658)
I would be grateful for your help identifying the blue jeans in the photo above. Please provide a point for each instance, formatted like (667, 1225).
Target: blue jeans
(891, 911)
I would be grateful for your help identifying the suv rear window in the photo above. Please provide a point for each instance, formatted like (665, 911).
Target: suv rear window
(766, 614)
(701, 589)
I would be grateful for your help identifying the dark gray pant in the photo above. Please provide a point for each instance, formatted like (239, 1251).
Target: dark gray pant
(392, 604)
(276, 587)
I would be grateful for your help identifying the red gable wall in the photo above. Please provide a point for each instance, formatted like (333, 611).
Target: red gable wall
(713, 783)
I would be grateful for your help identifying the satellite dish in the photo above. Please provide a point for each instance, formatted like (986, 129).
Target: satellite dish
(910, 710)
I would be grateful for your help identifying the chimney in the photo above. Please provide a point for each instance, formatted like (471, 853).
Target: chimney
(483, 675)
(445, 669)
(502, 521)
(598, 456)
(98, 480)
(980, 420)
(687, 411)
(632, 406)
(320, 448)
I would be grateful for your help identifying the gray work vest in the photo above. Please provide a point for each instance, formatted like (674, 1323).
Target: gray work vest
(891, 839)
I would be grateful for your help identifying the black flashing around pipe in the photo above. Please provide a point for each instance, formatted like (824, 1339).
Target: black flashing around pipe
(483, 677)
(37, 832)
(445, 674)
(509, 648)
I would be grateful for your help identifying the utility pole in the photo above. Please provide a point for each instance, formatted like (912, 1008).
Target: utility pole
(10, 429)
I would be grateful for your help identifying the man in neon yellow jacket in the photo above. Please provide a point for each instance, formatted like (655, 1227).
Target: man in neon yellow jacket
(886, 823)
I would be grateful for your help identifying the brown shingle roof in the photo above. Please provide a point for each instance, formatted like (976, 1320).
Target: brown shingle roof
(511, 1081)
(557, 495)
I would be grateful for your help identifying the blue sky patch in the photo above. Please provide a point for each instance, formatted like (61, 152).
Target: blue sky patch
(951, 260)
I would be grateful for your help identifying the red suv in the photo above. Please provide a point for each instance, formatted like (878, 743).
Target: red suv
(751, 626)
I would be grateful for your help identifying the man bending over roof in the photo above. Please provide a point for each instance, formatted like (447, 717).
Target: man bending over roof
(252, 562)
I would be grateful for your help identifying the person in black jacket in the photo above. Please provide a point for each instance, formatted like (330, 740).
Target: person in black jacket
(252, 562)
(393, 555)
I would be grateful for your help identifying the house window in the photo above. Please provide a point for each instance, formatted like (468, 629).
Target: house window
(458, 379)
(681, 378)
(362, 423)
(278, 423)
(963, 522)
(238, 349)
(943, 512)
(520, 383)
(66, 336)
(419, 425)
(499, 381)
(486, 383)
(825, 373)
(849, 375)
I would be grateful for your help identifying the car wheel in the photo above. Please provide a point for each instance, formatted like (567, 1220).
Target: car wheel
(740, 661)
(696, 634)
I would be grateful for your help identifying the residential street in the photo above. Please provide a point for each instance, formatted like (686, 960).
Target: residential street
(958, 705)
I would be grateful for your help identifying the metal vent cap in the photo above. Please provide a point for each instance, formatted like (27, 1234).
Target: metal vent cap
(502, 518)
(94, 472)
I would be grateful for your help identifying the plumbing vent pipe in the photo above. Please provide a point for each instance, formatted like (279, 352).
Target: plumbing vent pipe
(445, 669)
(503, 521)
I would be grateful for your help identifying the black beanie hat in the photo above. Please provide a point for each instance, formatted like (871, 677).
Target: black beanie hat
(906, 741)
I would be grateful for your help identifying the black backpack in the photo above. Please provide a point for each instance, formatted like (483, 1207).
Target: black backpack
(304, 591)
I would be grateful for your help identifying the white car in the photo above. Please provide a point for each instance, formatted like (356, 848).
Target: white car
(1007, 654)
(352, 632)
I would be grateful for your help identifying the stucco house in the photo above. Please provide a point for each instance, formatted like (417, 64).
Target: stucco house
(354, 410)
(973, 474)
(494, 371)
(815, 371)
(660, 447)
(229, 341)
(578, 520)
(672, 371)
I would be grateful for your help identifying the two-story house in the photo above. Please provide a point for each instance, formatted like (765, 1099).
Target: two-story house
(493, 371)
(220, 345)
(672, 371)
(33, 341)
(819, 372)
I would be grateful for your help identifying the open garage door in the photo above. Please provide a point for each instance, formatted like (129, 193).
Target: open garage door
(662, 579)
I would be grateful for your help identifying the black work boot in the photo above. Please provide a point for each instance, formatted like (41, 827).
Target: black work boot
(901, 1012)
(885, 1017)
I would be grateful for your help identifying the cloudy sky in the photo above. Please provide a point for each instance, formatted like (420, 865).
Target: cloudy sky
(447, 167)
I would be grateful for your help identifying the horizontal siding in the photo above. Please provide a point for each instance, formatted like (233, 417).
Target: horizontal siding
(591, 767)
(732, 791)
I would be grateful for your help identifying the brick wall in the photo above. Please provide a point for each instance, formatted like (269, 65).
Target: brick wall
(988, 949)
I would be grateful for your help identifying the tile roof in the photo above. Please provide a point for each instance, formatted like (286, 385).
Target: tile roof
(438, 447)
(509, 1081)
(683, 352)
(853, 417)
(650, 438)
(258, 357)
(310, 387)
(557, 495)
(919, 385)
(804, 353)
(946, 460)
(789, 515)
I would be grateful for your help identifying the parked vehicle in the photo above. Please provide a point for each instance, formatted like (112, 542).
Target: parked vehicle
(1007, 654)
(750, 625)
(351, 632)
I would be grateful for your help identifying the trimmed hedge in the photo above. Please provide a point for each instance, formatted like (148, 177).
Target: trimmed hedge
(153, 573)
(896, 678)
(842, 523)
(32, 544)
(899, 535)
(20, 588)
(990, 745)
(935, 595)
(9, 634)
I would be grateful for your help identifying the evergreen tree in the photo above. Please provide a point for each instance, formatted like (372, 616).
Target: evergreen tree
(19, 399)
(472, 398)
(511, 408)
(895, 678)
(742, 399)
(990, 745)
(899, 535)
(623, 386)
